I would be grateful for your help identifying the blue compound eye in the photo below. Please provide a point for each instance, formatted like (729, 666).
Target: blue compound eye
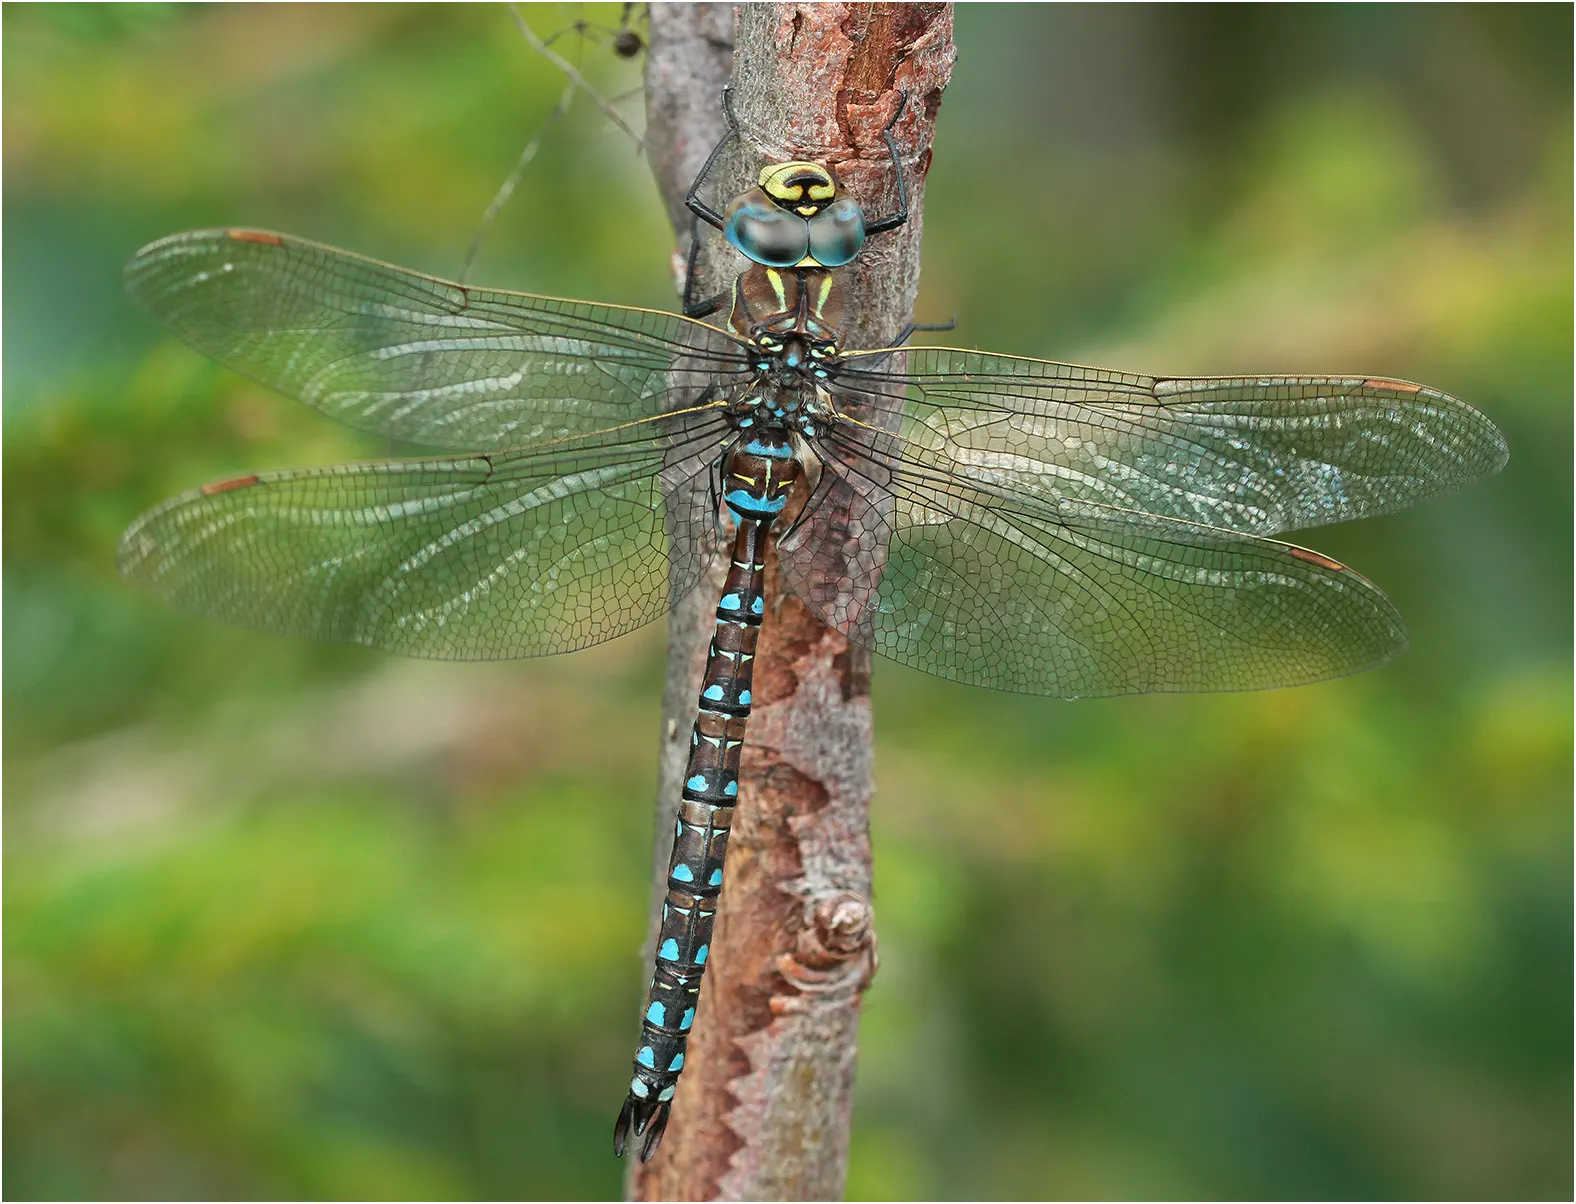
(765, 232)
(837, 233)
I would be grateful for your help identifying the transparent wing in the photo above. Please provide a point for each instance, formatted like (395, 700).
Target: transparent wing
(474, 558)
(1255, 455)
(1072, 598)
(419, 359)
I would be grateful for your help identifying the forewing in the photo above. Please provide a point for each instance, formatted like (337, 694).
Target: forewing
(419, 359)
(1078, 598)
(473, 558)
(1255, 455)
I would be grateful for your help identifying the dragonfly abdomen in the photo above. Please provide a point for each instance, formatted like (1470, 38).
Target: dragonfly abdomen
(758, 473)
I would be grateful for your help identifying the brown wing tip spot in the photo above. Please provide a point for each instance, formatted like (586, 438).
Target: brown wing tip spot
(233, 483)
(1318, 558)
(262, 236)
(1392, 386)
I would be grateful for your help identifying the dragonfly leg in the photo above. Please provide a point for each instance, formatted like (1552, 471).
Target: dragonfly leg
(692, 307)
(714, 496)
(692, 198)
(914, 327)
(907, 332)
(893, 220)
(785, 541)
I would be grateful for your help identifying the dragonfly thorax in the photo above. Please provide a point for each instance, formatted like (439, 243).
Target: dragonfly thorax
(772, 305)
(786, 398)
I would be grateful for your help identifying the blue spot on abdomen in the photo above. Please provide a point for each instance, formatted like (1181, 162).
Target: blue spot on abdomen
(746, 503)
(772, 451)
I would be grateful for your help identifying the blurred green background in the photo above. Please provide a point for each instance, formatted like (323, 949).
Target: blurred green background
(290, 921)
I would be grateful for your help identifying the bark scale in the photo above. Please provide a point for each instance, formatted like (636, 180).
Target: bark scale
(764, 1108)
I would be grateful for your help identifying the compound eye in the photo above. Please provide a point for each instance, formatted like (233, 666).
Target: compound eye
(765, 232)
(837, 233)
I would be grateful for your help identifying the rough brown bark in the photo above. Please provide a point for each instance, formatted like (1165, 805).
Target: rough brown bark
(764, 1108)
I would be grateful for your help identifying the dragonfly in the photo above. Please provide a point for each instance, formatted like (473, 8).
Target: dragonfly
(1021, 524)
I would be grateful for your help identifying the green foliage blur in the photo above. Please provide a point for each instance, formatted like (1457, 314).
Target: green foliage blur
(294, 921)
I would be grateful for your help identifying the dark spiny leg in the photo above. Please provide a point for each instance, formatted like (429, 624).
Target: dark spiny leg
(692, 198)
(714, 496)
(785, 540)
(704, 212)
(914, 327)
(893, 221)
(692, 307)
(875, 361)
(700, 842)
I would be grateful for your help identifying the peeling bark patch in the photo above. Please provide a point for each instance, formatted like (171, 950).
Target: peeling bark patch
(873, 62)
(789, 637)
(792, 795)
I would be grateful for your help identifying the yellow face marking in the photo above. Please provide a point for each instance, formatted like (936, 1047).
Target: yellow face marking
(797, 180)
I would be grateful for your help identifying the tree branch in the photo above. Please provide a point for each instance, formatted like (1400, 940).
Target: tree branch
(763, 1110)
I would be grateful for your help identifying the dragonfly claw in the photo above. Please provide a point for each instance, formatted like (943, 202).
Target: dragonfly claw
(640, 1118)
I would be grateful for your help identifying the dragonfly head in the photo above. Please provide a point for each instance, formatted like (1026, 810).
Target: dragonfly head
(794, 218)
